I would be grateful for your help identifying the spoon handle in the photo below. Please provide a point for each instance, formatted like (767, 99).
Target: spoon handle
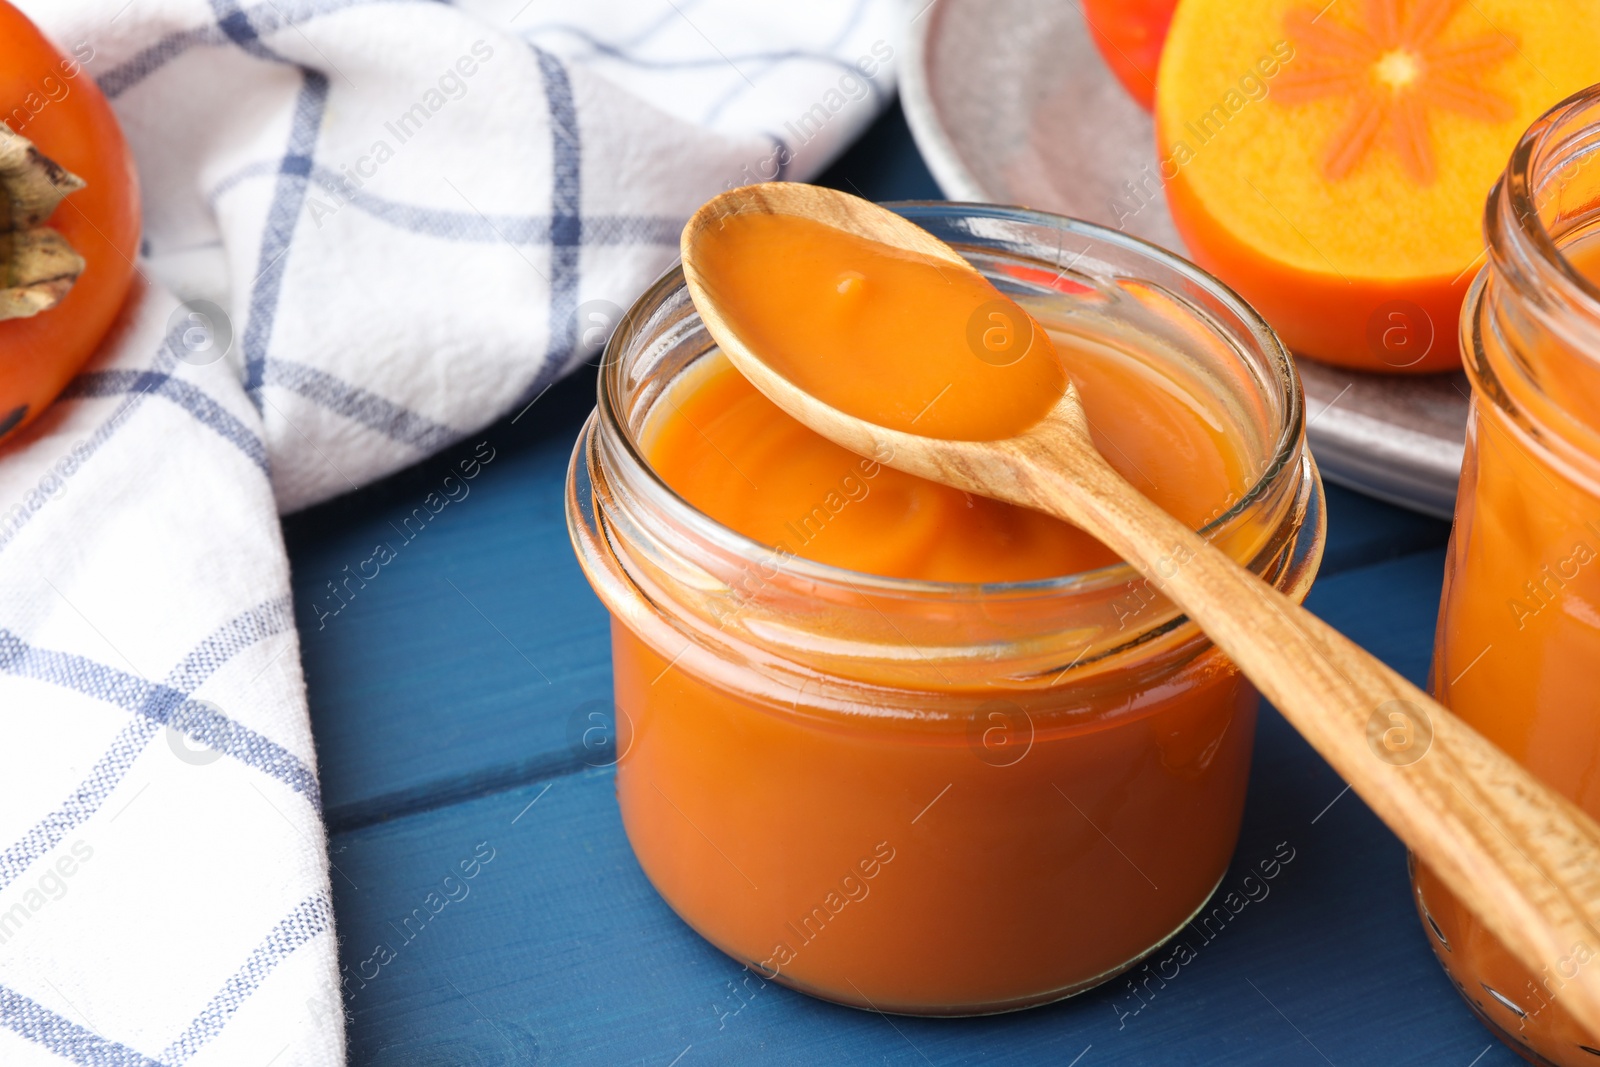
(1522, 857)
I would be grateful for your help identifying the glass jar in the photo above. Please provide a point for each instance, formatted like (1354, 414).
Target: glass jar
(935, 798)
(1519, 624)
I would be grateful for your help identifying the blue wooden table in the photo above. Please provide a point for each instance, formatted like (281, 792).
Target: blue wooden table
(443, 696)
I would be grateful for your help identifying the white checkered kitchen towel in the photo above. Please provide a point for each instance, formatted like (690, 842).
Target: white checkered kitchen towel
(407, 210)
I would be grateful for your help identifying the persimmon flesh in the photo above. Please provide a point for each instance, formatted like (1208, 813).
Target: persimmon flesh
(1331, 162)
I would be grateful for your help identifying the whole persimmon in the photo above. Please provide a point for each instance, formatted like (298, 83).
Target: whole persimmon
(1130, 35)
(69, 218)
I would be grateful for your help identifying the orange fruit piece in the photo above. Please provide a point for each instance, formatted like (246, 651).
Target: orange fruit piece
(1331, 160)
(1129, 35)
(48, 97)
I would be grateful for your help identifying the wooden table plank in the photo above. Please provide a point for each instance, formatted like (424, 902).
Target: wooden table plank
(455, 669)
(558, 950)
(1363, 531)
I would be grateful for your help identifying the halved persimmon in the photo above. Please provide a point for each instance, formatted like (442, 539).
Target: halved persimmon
(1331, 161)
(69, 218)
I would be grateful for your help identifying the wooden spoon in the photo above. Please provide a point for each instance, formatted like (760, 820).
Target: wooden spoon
(1525, 859)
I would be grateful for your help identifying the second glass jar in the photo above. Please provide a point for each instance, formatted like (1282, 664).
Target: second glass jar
(1519, 625)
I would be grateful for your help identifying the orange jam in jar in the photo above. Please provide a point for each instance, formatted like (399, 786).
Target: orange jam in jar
(913, 750)
(1519, 628)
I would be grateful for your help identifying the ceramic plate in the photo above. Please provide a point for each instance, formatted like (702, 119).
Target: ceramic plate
(1010, 104)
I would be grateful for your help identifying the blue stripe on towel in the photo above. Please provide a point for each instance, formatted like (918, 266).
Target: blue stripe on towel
(310, 917)
(64, 1037)
(353, 402)
(242, 632)
(566, 202)
(738, 88)
(119, 80)
(261, 19)
(470, 226)
(237, 24)
(18, 515)
(162, 704)
(184, 394)
(282, 217)
(766, 58)
(78, 808)
(369, 409)
(673, 14)
(566, 222)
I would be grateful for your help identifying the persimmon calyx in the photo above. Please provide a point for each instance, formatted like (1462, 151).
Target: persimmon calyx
(38, 266)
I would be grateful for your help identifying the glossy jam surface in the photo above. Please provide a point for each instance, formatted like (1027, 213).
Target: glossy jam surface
(1519, 642)
(900, 339)
(738, 458)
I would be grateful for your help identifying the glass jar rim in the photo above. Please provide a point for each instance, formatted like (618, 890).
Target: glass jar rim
(1529, 292)
(1521, 185)
(1286, 448)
